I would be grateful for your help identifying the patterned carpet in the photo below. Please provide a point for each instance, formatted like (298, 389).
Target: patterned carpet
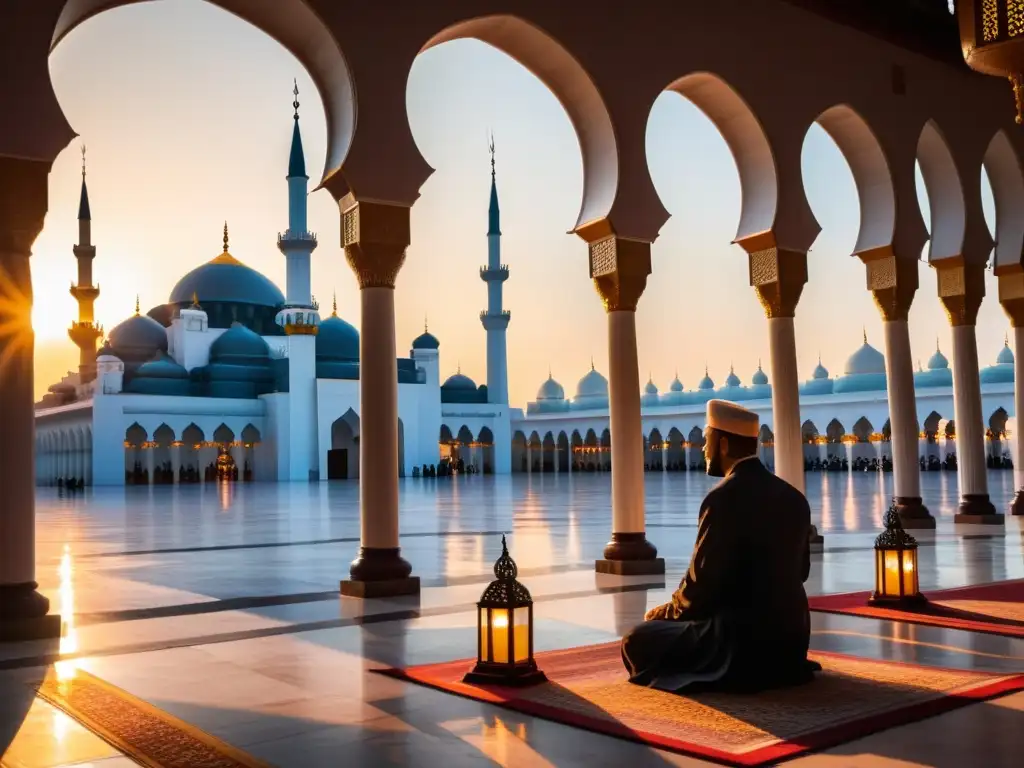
(996, 609)
(144, 733)
(852, 697)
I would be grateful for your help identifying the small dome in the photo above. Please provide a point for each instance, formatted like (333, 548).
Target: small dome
(867, 359)
(676, 385)
(937, 361)
(820, 371)
(707, 382)
(337, 340)
(760, 378)
(550, 390)
(732, 380)
(239, 346)
(161, 367)
(1005, 356)
(650, 388)
(426, 340)
(593, 384)
(459, 381)
(138, 339)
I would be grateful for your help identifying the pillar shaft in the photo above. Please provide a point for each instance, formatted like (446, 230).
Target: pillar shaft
(789, 460)
(375, 237)
(1011, 296)
(619, 269)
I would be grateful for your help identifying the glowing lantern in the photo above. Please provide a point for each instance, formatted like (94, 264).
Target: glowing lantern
(895, 564)
(992, 40)
(505, 630)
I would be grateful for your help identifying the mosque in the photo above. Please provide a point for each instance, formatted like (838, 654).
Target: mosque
(231, 378)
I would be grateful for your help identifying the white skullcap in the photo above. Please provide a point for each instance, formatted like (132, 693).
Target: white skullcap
(734, 419)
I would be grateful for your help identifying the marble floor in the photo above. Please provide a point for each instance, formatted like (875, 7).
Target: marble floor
(219, 605)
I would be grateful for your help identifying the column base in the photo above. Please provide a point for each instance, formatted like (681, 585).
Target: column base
(24, 614)
(816, 540)
(914, 514)
(976, 509)
(380, 573)
(630, 554)
(1017, 505)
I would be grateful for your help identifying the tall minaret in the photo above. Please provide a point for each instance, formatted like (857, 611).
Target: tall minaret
(85, 333)
(300, 318)
(495, 319)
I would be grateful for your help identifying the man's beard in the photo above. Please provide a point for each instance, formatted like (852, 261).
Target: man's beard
(715, 466)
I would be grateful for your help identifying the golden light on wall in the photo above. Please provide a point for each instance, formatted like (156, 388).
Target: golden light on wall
(896, 565)
(505, 630)
(992, 41)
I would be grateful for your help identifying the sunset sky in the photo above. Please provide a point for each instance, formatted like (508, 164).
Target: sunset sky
(186, 112)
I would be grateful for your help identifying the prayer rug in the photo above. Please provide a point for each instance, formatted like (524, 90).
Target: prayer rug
(996, 608)
(146, 734)
(852, 697)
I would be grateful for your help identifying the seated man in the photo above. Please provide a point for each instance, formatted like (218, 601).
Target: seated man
(739, 620)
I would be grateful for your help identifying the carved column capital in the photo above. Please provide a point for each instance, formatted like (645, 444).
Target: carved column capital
(961, 289)
(778, 276)
(1011, 294)
(892, 281)
(23, 203)
(375, 236)
(619, 268)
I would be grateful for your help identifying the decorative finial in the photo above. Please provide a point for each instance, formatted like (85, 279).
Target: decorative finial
(549, 372)
(936, 343)
(705, 368)
(136, 304)
(225, 237)
(295, 103)
(334, 305)
(591, 362)
(1006, 339)
(195, 300)
(732, 369)
(865, 331)
(83, 161)
(490, 146)
(425, 328)
(458, 367)
(759, 363)
(505, 568)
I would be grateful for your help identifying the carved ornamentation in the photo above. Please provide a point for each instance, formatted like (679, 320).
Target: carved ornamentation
(961, 289)
(619, 269)
(989, 20)
(375, 237)
(1015, 18)
(892, 281)
(778, 276)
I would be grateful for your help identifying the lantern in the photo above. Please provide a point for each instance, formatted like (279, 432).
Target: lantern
(992, 40)
(505, 630)
(895, 564)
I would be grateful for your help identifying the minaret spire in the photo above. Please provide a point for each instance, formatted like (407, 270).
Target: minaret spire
(84, 332)
(495, 318)
(297, 243)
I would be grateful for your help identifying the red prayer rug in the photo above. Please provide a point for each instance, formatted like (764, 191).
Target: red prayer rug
(852, 697)
(996, 608)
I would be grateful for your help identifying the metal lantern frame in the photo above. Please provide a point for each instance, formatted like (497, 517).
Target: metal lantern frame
(504, 594)
(992, 41)
(895, 540)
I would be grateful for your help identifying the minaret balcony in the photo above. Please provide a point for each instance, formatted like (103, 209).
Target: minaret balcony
(495, 321)
(85, 333)
(296, 240)
(85, 292)
(489, 275)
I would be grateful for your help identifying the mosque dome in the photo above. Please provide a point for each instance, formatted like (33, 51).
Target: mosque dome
(1005, 356)
(1002, 371)
(239, 346)
(460, 382)
(106, 355)
(732, 380)
(593, 384)
(676, 385)
(161, 367)
(337, 340)
(866, 360)
(550, 390)
(225, 279)
(138, 338)
(650, 388)
(820, 371)
(760, 378)
(706, 382)
(426, 340)
(938, 361)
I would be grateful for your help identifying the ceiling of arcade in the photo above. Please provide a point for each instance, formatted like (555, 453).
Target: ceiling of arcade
(762, 70)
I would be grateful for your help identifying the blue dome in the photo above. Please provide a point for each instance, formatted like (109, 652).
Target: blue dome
(1005, 356)
(676, 385)
(426, 340)
(706, 382)
(138, 339)
(593, 384)
(760, 378)
(161, 367)
(732, 380)
(459, 381)
(650, 388)
(226, 279)
(550, 390)
(240, 346)
(820, 371)
(866, 360)
(937, 361)
(337, 340)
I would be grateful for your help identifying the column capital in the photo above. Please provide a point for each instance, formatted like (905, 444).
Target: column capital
(375, 236)
(892, 281)
(961, 289)
(777, 274)
(1011, 293)
(619, 268)
(24, 189)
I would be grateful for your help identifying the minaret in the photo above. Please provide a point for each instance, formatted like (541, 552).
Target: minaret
(300, 317)
(495, 319)
(297, 244)
(85, 333)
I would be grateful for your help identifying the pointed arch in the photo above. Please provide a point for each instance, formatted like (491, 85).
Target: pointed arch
(136, 435)
(834, 431)
(465, 436)
(445, 435)
(863, 429)
(485, 436)
(223, 435)
(1003, 166)
(696, 437)
(250, 434)
(948, 210)
(809, 431)
(562, 444)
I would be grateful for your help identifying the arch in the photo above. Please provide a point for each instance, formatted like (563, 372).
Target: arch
(163, 436)
(591, 439)
(765, 434)
(562, 454)
(446, 435)
(696, 438)
(250, 434)
(224, 435)
(875, 192)
(1003, 166)
(548, 457)
(863, 429)
(950, 430)
(655, 439)
(742, 131)
(554, 66)
(997, 422)
(606, 438)
(192, 439)
(192, 435)
(519, 438)
(465, 436)
(887, 431)
(535, 441)
(519, 451)
(343, 456)
(486, 436)
(808, 431)
(931, 424)
(295, 26)
(835, 431)
(136, 435)
(948, 211)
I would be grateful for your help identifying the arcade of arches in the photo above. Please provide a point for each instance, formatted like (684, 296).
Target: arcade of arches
(606, 81)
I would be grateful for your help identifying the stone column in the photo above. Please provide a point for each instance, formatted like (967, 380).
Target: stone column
(23, 202)
(1011, 296)
(961, 289)
(778, 276)
(619, 268)
(893, 283)
(375, 236)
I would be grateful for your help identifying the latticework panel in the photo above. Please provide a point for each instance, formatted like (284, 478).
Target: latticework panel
(989, 20)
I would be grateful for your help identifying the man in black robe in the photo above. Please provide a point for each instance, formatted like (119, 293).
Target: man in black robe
(739, 620)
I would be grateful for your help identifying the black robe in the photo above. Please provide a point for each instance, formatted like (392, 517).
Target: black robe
(739, 620)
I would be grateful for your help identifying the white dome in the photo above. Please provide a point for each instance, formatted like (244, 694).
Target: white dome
(706, 382)
(760, 378)
(592, 385)
(1005, 356)
(550, 390)
(732, 380)
(865, 360)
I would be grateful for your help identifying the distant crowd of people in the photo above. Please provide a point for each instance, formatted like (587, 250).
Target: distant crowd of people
(448, 468)
(164, 474)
